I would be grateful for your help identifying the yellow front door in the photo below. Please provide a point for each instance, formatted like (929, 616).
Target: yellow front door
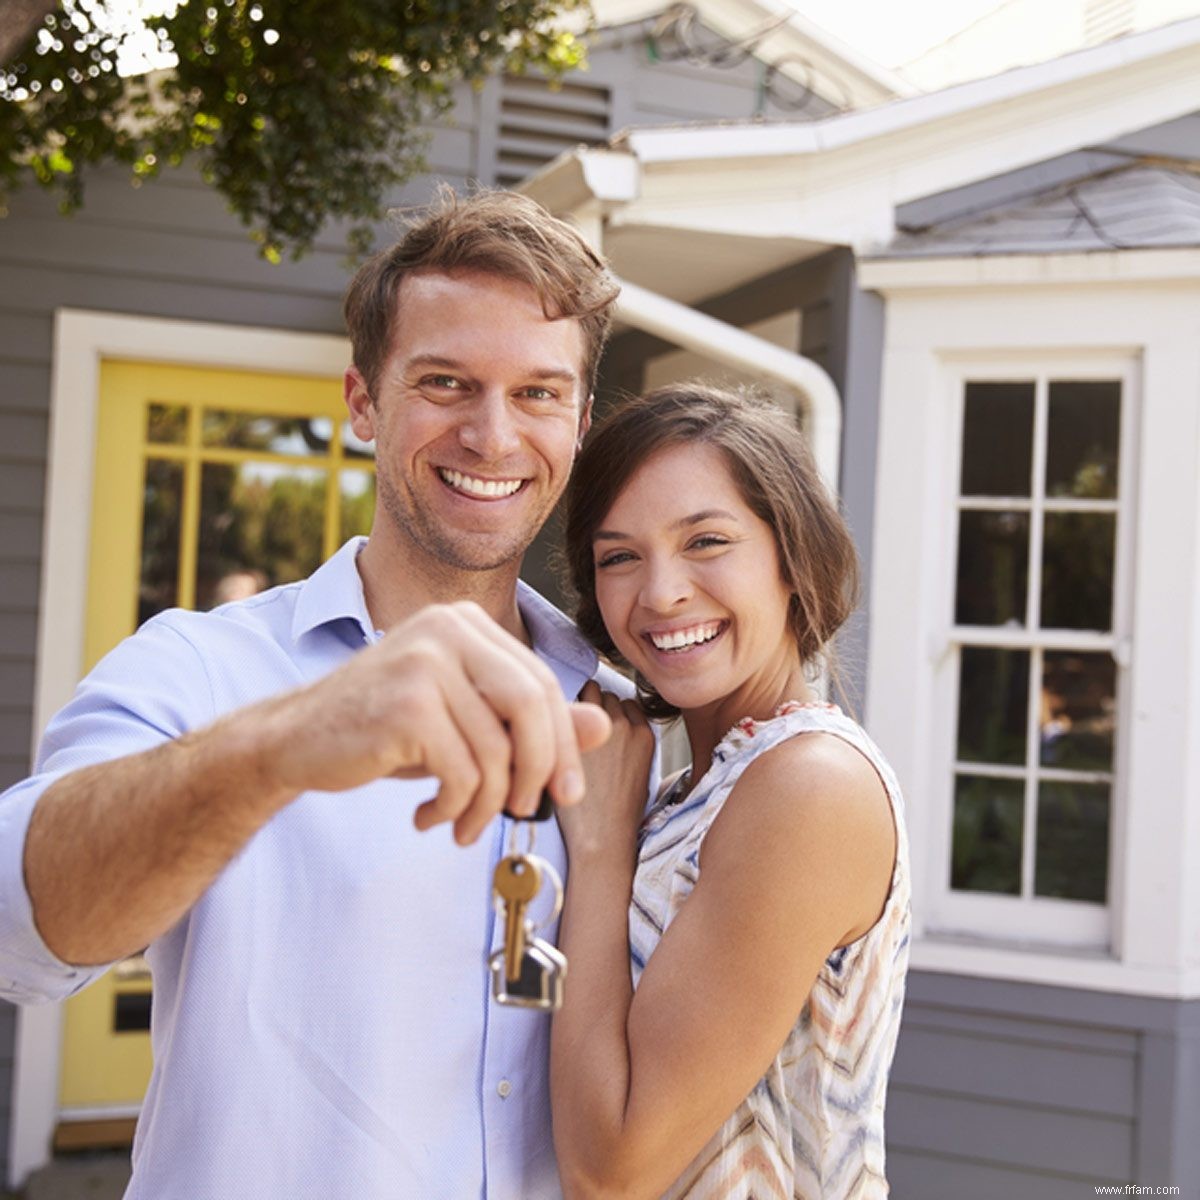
(210, 485)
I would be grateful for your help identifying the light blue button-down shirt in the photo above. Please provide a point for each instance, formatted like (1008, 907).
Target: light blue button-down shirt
(321, 1024)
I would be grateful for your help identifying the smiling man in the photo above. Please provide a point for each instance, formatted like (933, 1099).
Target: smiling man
(244, 791)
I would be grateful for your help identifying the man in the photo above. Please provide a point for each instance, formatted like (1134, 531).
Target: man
(243, 791)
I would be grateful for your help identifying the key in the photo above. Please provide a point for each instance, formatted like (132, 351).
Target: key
(516, 882)
(539, 984)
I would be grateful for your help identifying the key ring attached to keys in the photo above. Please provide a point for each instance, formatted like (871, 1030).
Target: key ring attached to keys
(529, 971)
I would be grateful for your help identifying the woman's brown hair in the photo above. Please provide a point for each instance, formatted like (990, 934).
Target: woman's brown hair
(774, 471)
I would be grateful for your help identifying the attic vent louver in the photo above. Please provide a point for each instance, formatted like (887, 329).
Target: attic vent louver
(538, 122)
(1104, 19)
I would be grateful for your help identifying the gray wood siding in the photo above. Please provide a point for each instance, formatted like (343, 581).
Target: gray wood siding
(1002, 1089)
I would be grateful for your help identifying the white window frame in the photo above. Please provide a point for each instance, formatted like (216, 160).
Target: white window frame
(941, 313)
(1073, 924)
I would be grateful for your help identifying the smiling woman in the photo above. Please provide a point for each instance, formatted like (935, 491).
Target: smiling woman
(738, 952)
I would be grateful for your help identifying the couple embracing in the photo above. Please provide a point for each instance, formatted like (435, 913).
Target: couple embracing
(297, 802)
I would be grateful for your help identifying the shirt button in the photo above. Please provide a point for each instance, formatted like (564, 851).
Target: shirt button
(504, 1088)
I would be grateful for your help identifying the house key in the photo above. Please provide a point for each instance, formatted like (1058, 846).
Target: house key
(528, 972)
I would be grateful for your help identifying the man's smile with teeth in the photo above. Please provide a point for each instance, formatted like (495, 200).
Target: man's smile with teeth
(683, 639)
(479, 487)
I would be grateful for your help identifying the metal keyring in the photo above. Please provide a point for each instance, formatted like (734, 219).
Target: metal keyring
(548, 870)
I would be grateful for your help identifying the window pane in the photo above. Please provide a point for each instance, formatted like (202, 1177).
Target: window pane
(1079, 707)
(162, 502)
(989, 815)
(358, 503)
(1077, 570)
(993, 568)
(997, 450)
(1083, 436)
(993, 696)
(256, 431)
(260, 524)
(1072, 841)
(166, 424)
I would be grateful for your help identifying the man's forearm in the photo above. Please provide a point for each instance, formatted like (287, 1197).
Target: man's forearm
(118, 852)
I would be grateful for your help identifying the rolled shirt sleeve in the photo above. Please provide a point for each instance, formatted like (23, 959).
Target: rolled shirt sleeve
(151, 688)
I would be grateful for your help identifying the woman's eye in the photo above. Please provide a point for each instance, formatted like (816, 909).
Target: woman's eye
(614, 559)
(707, 540)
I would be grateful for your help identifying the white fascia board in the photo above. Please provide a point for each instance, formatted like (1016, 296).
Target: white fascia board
(891, 276)
(847, 193)
(579, 178)
(713, 142)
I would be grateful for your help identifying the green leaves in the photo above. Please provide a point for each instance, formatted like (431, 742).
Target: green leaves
(297, 111)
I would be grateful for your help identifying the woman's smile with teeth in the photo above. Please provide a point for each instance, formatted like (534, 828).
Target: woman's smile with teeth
(490, 488)
(683, 639)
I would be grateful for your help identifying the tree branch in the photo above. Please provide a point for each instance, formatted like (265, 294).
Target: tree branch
(18, 20)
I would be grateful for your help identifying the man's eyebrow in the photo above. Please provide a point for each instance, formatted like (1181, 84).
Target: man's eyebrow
(565, 374)
(612, 535)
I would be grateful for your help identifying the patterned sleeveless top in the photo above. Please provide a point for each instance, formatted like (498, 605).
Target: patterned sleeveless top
(812, 1128)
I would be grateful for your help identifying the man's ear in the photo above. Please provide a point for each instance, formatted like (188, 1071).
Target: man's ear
(585, 423)
(359, 404)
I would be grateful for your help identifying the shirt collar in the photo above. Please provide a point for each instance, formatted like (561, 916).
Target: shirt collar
(334, 592)
(554, 634)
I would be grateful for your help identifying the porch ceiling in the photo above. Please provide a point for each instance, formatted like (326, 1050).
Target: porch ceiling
(690, 267)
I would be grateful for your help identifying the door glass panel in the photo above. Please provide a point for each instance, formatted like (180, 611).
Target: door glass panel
(263, 517)
(166, 424)
(1072, 841)
(997, 449)
(301, 436)
(1083, 439)
(162, 505)
(1077, 570)
(1078, 710)
(993, 696)
(993, 568)
(989, 815)
(358, 503)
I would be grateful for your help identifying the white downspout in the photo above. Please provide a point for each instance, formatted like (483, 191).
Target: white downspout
(684, 326)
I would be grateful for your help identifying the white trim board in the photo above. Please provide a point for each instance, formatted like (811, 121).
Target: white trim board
(82, 340)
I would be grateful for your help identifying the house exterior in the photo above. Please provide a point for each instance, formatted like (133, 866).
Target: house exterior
(162, 388)
(1003, 281)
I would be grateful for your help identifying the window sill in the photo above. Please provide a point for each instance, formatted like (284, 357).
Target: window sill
(1093, 970)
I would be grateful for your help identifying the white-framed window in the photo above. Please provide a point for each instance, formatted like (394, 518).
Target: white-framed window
(1033, 686)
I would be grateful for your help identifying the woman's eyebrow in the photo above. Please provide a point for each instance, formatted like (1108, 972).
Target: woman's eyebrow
(611, 535)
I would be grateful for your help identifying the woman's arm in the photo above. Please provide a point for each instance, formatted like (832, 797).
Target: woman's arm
(798, 862)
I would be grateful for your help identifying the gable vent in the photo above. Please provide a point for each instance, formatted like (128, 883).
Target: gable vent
(1104, 19)
(538, 122)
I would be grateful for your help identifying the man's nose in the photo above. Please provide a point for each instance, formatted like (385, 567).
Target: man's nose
(489, 427)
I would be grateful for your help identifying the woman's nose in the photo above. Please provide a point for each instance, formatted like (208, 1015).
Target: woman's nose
(665, 586)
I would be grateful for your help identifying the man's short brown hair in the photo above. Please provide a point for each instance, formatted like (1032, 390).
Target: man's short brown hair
(497, 233)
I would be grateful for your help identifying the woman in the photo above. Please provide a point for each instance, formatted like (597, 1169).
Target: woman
(738, 955)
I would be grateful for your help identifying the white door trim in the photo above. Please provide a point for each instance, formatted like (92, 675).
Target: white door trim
(82, 340)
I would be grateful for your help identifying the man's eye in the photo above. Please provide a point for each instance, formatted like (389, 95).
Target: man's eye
(448, 382)
(539, 393)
